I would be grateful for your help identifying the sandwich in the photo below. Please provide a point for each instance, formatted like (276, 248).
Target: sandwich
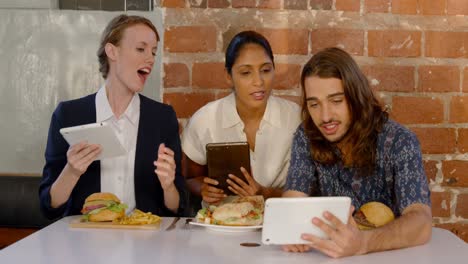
(372, 215)
(237, 214)
(242, 211)
(103, 207)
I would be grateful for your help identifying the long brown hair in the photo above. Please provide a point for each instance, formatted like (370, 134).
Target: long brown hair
(367, 115)
(113, 33)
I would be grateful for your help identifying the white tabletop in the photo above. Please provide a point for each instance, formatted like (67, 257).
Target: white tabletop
(58, 243)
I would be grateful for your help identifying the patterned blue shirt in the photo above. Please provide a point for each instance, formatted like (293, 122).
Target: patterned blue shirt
(399, 179)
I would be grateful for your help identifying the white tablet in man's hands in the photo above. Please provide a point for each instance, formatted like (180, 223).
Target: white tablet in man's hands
(286, 219)
(96, 133)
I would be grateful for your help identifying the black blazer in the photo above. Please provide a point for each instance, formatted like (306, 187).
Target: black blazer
(158, 124)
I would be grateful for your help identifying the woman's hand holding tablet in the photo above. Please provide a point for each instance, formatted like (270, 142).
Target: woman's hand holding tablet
(95, 134)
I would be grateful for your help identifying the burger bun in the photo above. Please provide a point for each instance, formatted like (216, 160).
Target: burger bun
(102, 196)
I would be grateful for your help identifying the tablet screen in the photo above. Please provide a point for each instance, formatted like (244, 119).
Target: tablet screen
(227, 158)
(95, 133)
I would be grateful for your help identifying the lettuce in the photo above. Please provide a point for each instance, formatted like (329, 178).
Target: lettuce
(231, 219)
(85, 218)
(117, 207)
(203, 212)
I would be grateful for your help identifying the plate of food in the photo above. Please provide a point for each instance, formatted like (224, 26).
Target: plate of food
(241, 214)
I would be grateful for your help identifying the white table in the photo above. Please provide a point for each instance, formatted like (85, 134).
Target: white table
(60, 244)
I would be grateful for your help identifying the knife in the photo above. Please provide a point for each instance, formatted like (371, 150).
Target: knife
(173, 224)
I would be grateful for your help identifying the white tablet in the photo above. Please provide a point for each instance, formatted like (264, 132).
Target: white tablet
(96, 133)
(286, 219)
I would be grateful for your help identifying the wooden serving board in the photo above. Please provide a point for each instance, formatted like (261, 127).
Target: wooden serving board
(76, 223)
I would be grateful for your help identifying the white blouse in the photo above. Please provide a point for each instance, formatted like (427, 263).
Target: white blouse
(218, 121)
(117, 174)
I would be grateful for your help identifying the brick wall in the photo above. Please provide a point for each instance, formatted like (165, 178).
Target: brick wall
(414, 52)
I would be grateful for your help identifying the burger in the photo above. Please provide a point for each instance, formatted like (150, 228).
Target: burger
(242, 211)
(102, 207)
(372, 215)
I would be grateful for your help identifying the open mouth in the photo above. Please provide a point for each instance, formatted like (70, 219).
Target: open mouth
(330, 128)
(143, 73)
(258, 95)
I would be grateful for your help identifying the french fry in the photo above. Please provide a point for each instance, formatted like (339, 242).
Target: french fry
(137, 217)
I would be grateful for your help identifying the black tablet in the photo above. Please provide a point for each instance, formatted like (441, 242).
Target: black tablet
(227, 158)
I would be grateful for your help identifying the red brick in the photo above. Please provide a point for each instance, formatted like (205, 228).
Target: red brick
(218, 3)
(465, 80)
(383, 100)
(457, 7)
(287, 76)
(198, 4)
(176, 75)
(459, 109)
(439, 78)
(440, 204)
(394, 43)
(409, 7)
(190, 39)
(447, 44)
(432, 7)
(377, 6)
(271, 4)
(185, 104)
(417, 110)
(462, 142)
(459, 229)
(292, 98)
(295, 4)
(173, 3)
(455, 173)
(321, 4)
(351, 40)
(348, 5)
(243, 3)
(462, 205)
(444, 144)
(430, 167)
(390, 78)
(209, 75)
(287, 41)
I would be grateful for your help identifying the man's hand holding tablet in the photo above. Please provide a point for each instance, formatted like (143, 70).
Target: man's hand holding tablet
(290, 221)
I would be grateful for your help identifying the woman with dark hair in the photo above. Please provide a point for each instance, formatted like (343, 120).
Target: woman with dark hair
(347, 146)
(148, 177)
(250, 113)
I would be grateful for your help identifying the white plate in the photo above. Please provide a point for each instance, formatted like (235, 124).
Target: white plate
(230, 229)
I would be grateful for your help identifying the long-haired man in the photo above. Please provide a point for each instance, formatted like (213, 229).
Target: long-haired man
(347, 146)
